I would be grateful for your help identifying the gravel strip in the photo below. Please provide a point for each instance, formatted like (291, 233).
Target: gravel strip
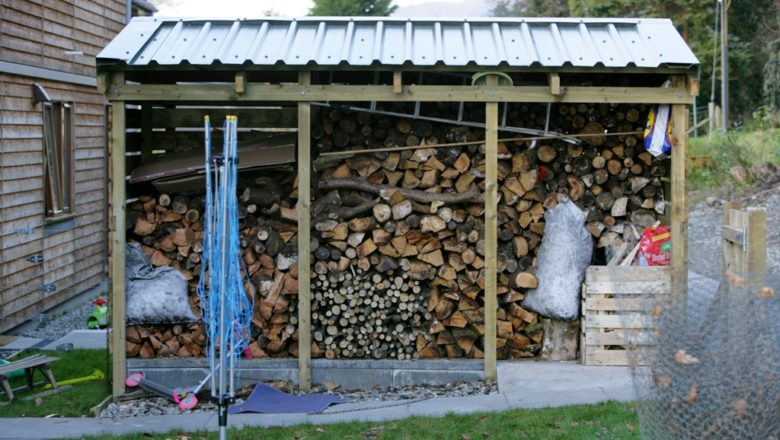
(159, 406)
(705, 224)
(55, 326)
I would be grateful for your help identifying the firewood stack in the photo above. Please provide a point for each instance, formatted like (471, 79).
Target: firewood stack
(360, 314)
(170, 229)
(397, 245)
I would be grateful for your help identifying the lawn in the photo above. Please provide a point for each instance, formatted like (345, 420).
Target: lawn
(73, 402)
(611, 420)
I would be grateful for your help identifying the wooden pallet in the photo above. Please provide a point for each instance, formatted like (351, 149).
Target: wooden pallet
(616, 300)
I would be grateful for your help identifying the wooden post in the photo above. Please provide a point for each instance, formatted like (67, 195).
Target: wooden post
(491, 194)
(397, 81)
(744, 243)
(679, 223)
(146, 132)
(304, 242)
(118, 344)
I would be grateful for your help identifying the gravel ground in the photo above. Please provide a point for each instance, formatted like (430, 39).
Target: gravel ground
(705, 253)
(159, 406)
(55, 326)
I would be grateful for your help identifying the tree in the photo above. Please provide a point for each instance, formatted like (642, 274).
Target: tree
(340, 8)
(531, 8)
(772, 80)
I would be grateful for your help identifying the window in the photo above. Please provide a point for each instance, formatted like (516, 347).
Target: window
(58, 158)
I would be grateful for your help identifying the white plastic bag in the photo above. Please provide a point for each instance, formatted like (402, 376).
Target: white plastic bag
(155, 295)
(565, 253)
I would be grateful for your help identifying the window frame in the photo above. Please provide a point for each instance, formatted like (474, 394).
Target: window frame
(58, 159)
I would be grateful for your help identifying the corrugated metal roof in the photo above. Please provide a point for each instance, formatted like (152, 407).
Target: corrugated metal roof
(363, 42)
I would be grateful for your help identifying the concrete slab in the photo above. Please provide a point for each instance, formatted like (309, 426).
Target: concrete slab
(544, 377)
(22, 342)
(81, 339)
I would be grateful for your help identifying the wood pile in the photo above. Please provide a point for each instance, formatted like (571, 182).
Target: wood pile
(360, 314)
(398, 263)
(170, 230)
(150, 341)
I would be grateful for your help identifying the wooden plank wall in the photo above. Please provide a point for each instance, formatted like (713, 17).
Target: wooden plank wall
(39, 32)
(74, 259)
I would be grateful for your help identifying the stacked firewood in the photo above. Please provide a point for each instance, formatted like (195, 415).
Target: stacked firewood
(149, 341)
(397, 240)
(360, 314)
(170, 229)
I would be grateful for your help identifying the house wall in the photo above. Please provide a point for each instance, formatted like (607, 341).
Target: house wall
(34, 38)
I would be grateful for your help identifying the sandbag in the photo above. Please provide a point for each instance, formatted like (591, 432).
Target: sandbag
(565, 253)
(155, 295)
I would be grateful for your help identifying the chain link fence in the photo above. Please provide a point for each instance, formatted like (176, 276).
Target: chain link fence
(707, 365)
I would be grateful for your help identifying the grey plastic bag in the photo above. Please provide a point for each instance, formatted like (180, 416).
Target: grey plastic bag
(565, 253)
(155, 295)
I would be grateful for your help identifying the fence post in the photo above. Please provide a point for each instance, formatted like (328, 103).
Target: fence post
(744, 243)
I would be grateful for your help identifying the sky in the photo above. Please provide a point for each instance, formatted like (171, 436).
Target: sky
(242, 8)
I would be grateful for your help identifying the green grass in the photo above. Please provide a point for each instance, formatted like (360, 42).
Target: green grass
(609, 420)
(73, 402)
(745, 146)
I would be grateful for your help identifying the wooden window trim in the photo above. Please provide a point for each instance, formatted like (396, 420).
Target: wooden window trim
(58, 155)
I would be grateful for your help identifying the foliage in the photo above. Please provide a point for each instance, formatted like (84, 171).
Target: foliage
(73, 402)
(531, 8)
(749, 147)
(610, 420)
(772, 80)
(753, 24)
(338, 8)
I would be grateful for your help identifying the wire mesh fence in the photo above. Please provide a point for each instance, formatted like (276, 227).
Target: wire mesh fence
(706, 365)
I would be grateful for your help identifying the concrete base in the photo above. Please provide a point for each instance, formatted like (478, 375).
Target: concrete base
(82, 339)
(350, 374)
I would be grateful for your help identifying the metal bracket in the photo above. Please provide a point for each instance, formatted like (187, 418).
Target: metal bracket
(36, 259)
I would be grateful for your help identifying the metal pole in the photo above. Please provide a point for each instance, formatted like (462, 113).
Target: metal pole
(223, 234)
(724, 63)
(711, 105)
(695, 119)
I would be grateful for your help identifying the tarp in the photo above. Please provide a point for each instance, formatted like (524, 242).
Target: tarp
(269, 400)
(271, 151)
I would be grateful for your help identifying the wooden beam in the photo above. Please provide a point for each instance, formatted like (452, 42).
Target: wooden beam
(103, 80)
(756, 246)
(397, 82)
(304, 242)
(240, 82)
(491, 207)
(146, 131)
(744, 243)
(410, 93)
(693, 85)
(679, 214)
(277, 117)
(555, 83)
(117, 233)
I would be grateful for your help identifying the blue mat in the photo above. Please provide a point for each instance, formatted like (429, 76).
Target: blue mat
(269, 400)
